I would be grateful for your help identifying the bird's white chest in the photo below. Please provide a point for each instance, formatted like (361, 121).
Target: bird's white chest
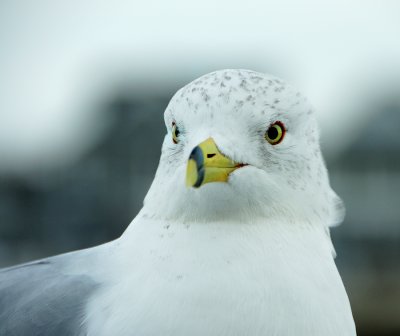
(223, 280)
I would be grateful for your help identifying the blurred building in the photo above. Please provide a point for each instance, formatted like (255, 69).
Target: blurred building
(92, 200)
(367, 176)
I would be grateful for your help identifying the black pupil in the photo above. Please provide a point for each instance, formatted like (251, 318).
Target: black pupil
(272, 133)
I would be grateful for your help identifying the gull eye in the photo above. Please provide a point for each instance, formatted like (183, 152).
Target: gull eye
(175, 133)
(275, 133)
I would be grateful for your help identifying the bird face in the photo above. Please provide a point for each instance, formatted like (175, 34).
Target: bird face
(239, 144)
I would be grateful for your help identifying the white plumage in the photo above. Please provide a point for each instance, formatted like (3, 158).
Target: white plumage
(251, 256)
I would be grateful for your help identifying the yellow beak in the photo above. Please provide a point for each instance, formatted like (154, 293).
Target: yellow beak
(207, 164)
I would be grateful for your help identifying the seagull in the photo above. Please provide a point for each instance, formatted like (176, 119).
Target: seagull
(233, 237)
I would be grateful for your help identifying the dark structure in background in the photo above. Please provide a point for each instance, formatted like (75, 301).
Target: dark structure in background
(367, 177)
(95, 199)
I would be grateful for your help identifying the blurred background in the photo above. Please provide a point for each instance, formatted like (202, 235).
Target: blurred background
(84, 84)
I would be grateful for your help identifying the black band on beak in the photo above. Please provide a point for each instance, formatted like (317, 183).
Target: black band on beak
(197, 156)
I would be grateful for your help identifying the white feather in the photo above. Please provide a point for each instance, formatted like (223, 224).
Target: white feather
(247, 257)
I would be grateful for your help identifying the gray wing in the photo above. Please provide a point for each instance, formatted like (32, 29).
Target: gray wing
(38, 299)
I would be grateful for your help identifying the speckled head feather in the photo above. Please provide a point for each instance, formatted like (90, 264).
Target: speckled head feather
(235, 108)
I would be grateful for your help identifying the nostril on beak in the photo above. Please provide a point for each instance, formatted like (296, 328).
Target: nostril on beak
(209, 156)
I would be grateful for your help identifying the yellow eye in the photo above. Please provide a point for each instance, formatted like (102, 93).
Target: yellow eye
(275, 133)
(175, 133)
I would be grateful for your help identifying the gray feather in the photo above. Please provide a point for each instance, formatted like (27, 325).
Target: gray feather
(39, 299)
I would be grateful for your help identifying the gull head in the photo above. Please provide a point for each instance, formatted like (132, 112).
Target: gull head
(241, 145)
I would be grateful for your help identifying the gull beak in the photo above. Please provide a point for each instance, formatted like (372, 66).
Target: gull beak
(207, 164)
